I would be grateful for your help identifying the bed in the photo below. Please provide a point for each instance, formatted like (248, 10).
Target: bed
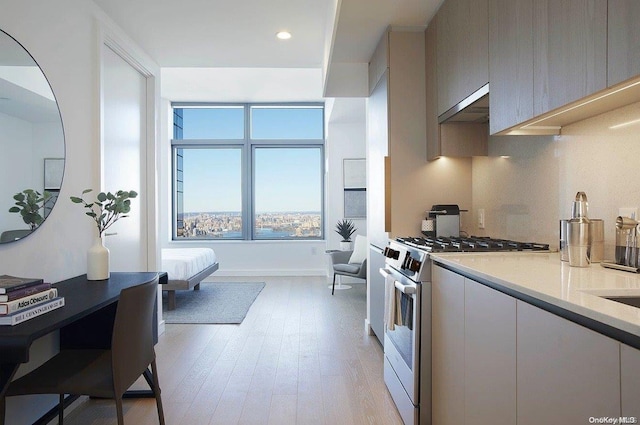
(186, 268)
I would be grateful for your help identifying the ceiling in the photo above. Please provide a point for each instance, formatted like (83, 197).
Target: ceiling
(241, 34)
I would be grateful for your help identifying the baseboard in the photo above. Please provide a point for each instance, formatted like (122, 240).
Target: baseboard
(161, 327)
(367, 327)
(244, 272)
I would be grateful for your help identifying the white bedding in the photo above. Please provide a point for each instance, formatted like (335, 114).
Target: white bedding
(183, 263)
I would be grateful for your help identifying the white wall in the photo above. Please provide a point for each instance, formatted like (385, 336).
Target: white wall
(16, 143)
(346, 139)
(272, 258)
(236, 258)
(527, 194)
(63, 38)
(24, 145)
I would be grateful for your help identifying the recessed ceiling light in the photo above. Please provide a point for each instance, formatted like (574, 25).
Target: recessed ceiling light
(283, 35)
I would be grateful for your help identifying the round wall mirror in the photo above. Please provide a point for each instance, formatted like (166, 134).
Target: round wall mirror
(31, 141)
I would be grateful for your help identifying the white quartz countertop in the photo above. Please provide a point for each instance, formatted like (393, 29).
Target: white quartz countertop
(544, 277)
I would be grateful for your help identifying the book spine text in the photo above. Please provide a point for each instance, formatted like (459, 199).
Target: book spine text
(28, 301)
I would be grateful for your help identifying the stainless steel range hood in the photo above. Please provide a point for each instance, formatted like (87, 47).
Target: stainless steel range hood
(474, 108)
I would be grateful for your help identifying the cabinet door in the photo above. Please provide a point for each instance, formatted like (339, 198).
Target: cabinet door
(565, 372)
(463, 44)
(630, 381)
(447, 350)
(570, 51)
(376, 292)
(377, 150)
(433, 129)
(490, 355)
(623, 51)
(407, 130)
(510, 63)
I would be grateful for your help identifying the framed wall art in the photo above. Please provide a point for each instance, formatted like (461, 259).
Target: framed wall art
(355, 188)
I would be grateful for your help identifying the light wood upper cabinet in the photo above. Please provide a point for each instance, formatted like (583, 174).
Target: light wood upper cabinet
(623, 50)
(377, 151)
(450, 139)
(570, 51)
(395, 135)
(510, 63)
(431, 86)
(462, 56)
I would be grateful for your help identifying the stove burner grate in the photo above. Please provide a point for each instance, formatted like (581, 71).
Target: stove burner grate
(470, 244)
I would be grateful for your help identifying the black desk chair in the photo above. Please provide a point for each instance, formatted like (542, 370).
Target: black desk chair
(103, 373)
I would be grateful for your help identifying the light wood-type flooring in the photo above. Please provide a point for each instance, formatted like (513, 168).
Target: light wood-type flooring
(301, 356)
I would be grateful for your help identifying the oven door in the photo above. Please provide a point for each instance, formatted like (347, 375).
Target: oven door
(402, 330)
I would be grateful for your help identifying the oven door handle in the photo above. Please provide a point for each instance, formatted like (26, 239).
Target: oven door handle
(405, 289)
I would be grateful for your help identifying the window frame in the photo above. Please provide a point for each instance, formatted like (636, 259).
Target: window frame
(247, 146)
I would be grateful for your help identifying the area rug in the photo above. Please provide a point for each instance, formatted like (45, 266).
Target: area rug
(215, 302)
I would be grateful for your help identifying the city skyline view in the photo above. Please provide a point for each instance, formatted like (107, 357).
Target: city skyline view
(271, 166)
(279, 225)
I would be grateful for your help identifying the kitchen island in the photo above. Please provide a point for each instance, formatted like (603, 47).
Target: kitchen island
(525, 338)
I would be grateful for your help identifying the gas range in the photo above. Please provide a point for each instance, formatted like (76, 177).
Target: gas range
(470, 244)
(406, 306)
(410, 255)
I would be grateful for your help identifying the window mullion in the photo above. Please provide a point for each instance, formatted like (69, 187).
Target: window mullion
(247, 209)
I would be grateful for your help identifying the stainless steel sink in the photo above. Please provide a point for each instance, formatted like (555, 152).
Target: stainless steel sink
(632, 301)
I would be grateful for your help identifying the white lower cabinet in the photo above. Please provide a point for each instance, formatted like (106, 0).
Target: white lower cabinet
(447, 347)
(498, 360)
(490, 356)
(567, 374)
(473, 352)
(630, 381)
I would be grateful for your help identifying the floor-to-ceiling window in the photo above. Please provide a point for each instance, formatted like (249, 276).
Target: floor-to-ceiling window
(248, 171)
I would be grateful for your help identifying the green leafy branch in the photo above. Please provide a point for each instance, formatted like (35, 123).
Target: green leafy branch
(107, 208)
(28, 204)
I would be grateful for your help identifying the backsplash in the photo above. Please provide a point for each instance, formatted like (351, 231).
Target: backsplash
(526, 193)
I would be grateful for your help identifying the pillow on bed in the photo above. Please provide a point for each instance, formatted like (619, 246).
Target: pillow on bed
(359, 250)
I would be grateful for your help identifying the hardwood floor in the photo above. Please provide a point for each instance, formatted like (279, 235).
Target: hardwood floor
(301, 356)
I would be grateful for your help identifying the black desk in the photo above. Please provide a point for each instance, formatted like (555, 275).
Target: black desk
(86, 319)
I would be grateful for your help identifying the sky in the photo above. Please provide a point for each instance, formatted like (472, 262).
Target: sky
(287, 179)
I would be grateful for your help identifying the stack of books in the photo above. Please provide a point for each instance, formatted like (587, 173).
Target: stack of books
(22, 299)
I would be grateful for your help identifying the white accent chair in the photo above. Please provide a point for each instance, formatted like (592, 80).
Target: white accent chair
(350, 263)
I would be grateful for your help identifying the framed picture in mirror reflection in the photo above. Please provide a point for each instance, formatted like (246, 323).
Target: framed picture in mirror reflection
(53, 170)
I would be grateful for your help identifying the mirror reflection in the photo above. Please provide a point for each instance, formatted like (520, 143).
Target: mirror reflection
(31, 141)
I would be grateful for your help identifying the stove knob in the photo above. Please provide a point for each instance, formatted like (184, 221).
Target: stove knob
(391, 253)
(411, 264)
(414, 265)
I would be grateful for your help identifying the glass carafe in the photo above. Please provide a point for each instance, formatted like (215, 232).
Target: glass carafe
(626, 242)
